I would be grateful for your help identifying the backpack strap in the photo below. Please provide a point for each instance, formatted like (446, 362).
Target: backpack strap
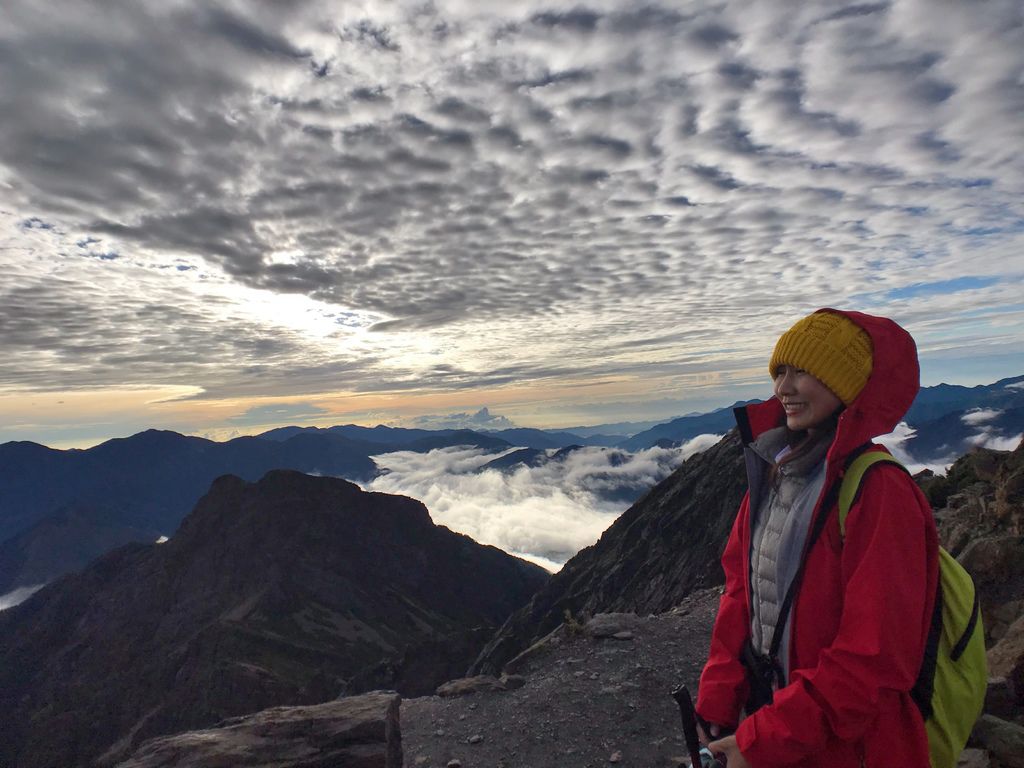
(924, 685)
(850, 486)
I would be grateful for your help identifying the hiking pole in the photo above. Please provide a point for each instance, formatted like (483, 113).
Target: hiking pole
(698, 758)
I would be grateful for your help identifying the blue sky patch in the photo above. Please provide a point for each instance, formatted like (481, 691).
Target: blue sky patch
(941, 287)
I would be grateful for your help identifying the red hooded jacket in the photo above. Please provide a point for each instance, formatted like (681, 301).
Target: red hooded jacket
(860, 620)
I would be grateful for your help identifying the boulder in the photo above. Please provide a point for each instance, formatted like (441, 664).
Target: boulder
(512, 682)
(522, 660)
(974, 758)
(1009, 506)
(993, 559)
(357, 732)
(467, 685)
(1006, 659)
(998, 618)
(610, 624)
(1003, 739)
(1000, 699)
(1007, 613)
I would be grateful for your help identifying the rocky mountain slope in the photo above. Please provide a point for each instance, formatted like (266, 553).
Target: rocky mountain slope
(65, 541)
(979, 509)
(286, 591)
(589, 695)
(590, 699)
(658, 551)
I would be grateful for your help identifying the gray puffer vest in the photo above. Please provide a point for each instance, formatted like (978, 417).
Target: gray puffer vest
(784, 510)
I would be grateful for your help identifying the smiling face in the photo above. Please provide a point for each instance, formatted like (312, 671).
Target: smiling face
(808, 402)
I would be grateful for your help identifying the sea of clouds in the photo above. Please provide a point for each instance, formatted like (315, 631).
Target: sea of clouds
(900, 441)
(544, 514)
(19, 595)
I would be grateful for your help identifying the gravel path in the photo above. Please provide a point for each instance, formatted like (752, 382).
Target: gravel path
(586, 702)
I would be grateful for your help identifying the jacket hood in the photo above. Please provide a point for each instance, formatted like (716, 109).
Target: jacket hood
(887, 396)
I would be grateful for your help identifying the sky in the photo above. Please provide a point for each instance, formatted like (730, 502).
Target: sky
(222, 218)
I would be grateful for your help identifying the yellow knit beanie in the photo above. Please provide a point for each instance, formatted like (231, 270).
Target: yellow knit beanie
(832, 348)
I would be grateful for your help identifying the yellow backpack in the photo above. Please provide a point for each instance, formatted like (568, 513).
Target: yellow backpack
(950, 688)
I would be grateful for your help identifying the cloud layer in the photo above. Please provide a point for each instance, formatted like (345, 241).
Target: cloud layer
(299, 198)
(545, 514)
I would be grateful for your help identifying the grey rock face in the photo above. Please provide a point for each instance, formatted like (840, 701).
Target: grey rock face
(357, 732)
(1005, 740)
(994, 559)
(974, 758)
(1006, 659)
(1000, 699)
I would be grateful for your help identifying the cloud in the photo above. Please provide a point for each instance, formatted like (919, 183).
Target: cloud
(278, 413)
(19, 595)
(481, 420)
(545, 513)
(506, 194)
(979, 416)
(993, 440)
(896, 441)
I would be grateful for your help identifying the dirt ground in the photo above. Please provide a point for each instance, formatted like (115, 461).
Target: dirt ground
(586, 702)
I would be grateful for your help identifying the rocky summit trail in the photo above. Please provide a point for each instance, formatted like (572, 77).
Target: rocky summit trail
(593, 695)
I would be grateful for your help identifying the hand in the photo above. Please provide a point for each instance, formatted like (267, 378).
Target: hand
(727, 746)
(703, 737)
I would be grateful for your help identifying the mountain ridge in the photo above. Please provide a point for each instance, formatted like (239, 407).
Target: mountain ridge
(292, 589)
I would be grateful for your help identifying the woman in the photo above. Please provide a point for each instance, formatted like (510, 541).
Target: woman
(851, 640)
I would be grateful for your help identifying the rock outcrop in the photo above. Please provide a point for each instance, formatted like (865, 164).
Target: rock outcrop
(659, 550)
(288, 591)
(1002, 739)
(980, 515)
(357, 732)
(1006, 659)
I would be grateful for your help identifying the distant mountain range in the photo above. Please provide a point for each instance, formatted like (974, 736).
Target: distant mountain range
(950, 420)
(942, 399)
(59, 509)
(291, 590)
(685, 428)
